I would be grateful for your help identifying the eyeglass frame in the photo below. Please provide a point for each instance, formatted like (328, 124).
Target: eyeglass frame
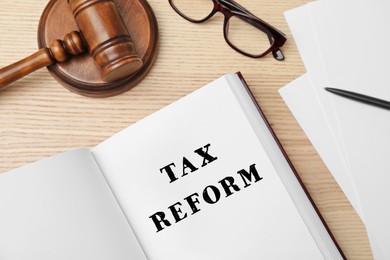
(231, 8)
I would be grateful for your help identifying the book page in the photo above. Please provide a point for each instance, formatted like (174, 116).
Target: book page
(195, 183)
(62, 208)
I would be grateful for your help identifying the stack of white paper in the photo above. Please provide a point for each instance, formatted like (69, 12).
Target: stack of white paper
(344, 44)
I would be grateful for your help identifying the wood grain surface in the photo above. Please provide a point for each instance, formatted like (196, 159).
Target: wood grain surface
(40, 118)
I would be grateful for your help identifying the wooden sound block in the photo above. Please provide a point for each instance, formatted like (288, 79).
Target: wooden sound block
(80, 74)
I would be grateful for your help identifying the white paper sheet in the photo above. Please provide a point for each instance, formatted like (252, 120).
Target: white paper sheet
(354, 43)
(299, 20)
(301, 100)
(365, 129)
(352, 40)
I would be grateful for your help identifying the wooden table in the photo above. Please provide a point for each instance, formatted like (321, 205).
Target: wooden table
(40, 118)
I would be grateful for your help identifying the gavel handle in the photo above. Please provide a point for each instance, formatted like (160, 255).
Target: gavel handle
(58, 51)
(13, 72)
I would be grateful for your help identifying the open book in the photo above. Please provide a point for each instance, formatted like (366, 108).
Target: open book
(203, 178)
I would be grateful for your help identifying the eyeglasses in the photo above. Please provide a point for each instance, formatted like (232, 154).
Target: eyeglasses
(243, 31)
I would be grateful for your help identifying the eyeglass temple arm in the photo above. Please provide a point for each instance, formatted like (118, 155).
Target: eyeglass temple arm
(236, 6)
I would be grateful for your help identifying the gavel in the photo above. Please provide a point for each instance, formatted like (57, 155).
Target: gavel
(101, 31)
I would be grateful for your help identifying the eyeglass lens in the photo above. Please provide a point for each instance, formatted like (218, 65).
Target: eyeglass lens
(239, 31)
(245, 37)
(194, 10)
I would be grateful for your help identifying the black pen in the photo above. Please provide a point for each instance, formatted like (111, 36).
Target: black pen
(360, 98)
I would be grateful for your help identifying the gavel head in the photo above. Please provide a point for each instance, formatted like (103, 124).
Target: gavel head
(106, 37)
